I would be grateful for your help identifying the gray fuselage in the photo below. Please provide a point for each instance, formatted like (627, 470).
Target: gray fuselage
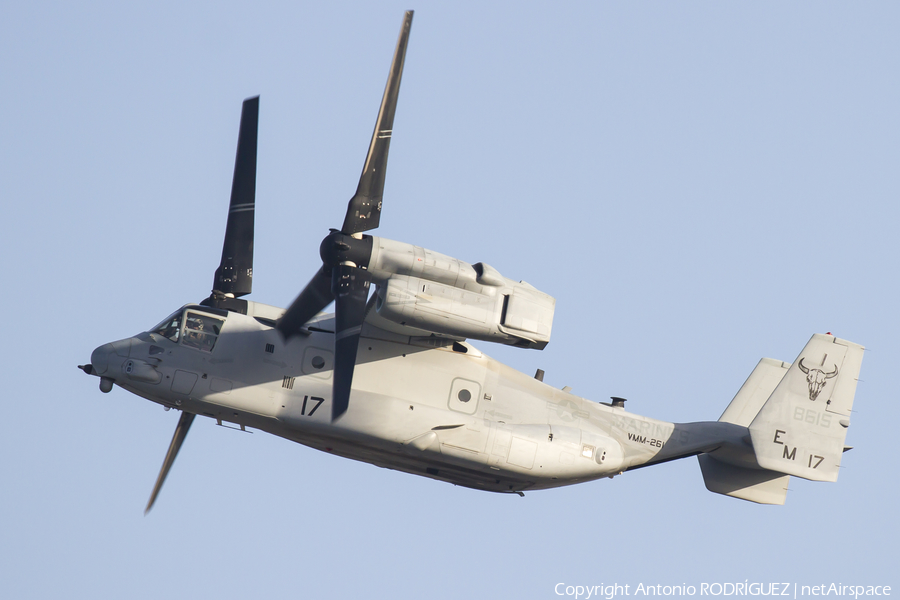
(434, 408)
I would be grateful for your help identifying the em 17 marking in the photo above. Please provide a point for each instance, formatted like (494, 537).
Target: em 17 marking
(791, 453)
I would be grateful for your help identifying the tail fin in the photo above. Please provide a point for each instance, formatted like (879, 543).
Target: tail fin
(797, 417)
(801, 428)
(755, 391)
(720, 473)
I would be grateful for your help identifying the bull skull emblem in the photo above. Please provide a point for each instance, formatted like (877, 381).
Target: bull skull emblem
(816, 379)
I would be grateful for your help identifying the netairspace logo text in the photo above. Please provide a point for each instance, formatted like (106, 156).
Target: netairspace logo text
(745, 588)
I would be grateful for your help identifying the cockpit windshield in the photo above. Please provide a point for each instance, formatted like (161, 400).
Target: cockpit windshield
(191, 329)
(170, 327)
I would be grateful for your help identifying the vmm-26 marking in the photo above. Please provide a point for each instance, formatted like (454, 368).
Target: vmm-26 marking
(633, 437)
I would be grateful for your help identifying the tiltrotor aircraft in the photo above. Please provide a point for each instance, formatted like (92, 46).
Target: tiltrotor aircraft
(391, 380)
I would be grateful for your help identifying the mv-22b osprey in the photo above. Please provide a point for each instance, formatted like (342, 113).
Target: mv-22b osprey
(391, 380)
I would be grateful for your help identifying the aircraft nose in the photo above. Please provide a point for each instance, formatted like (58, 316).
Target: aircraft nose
(100, 358)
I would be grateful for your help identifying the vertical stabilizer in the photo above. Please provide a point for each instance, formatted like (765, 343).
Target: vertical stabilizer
(801, 428)
(755, 391)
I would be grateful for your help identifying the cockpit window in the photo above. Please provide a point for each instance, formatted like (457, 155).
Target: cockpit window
(201, 331)
(170, 328)
(191, 329)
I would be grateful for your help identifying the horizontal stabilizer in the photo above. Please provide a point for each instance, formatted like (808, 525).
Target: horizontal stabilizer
(801, 428)
(756, 485)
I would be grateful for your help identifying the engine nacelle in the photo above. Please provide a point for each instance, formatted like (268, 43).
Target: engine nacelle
(427, 290)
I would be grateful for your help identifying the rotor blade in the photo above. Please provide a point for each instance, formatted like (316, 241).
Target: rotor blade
(364, 209)
(314, 297)
(235, 273)
(184, 423)
(350, 286)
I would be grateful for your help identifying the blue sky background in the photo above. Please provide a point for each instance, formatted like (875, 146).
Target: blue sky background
(699, 184)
